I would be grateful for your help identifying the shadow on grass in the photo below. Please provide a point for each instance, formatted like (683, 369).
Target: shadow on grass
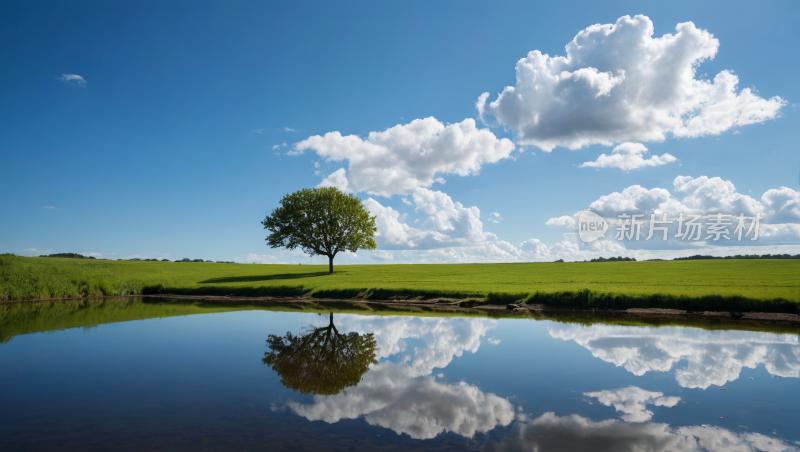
(256, 278)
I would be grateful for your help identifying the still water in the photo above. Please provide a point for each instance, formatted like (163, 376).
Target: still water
(236, 380)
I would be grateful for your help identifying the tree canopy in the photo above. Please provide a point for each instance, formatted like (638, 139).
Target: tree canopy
(321, 221)
(321, 362)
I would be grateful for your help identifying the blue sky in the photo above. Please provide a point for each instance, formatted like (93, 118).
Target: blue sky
(170, 142)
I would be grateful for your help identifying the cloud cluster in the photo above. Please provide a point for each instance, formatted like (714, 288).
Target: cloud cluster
(447, 223)
(779, 208)
(402, 396)
(451, 232)
(573, 432)
(405, 157)
(711, 357)
(421, 407)
(619, 84)
(631, 401)
(783, 204)
(629, 156)
(444, 338)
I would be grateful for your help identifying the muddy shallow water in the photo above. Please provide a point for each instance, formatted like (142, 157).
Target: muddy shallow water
(189, 378)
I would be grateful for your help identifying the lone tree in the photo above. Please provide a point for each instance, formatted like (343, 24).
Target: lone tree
(322, 361)
(321, 221)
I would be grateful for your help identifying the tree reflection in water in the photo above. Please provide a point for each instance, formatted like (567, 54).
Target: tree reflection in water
(321, 361)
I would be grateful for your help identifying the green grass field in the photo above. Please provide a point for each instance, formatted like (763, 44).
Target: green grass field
(720, 284)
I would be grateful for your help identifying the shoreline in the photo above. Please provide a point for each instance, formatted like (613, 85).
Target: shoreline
(455, 306)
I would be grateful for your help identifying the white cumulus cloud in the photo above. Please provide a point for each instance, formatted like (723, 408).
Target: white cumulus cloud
(629, 156)
(784, 204)
(564, 221)
(704, 196)
(336, 179)
(447, 223)
(405, 157)
(617, 83)
(452, 232)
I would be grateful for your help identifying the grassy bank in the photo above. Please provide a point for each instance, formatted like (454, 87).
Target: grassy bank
(26, 318)
(768, 285)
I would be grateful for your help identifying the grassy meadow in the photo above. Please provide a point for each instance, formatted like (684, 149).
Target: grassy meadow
(772, 285)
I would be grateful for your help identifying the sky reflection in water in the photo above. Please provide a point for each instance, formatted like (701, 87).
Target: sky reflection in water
(466, 383)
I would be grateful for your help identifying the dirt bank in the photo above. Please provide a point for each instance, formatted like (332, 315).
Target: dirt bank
(511, 310)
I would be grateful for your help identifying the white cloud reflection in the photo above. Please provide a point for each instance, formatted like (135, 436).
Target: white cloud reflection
(631, 401)
(402, 395)
(573, 432)
(712, 357)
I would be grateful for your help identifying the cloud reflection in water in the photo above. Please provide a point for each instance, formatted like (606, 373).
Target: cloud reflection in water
(713, 357)
(403, 396)
(549, 432)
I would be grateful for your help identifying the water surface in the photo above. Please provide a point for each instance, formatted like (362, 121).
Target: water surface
(191, 377)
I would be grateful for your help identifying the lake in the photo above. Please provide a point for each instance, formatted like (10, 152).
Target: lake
(164, 375)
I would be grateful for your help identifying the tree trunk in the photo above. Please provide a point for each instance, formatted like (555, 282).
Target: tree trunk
(330, 264)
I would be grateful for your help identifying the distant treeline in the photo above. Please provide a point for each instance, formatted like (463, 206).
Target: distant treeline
(186, 259)
(599, 259)
(614, 259)
(69, 255)
(697, 257)
(81, 256)
(739, 256)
